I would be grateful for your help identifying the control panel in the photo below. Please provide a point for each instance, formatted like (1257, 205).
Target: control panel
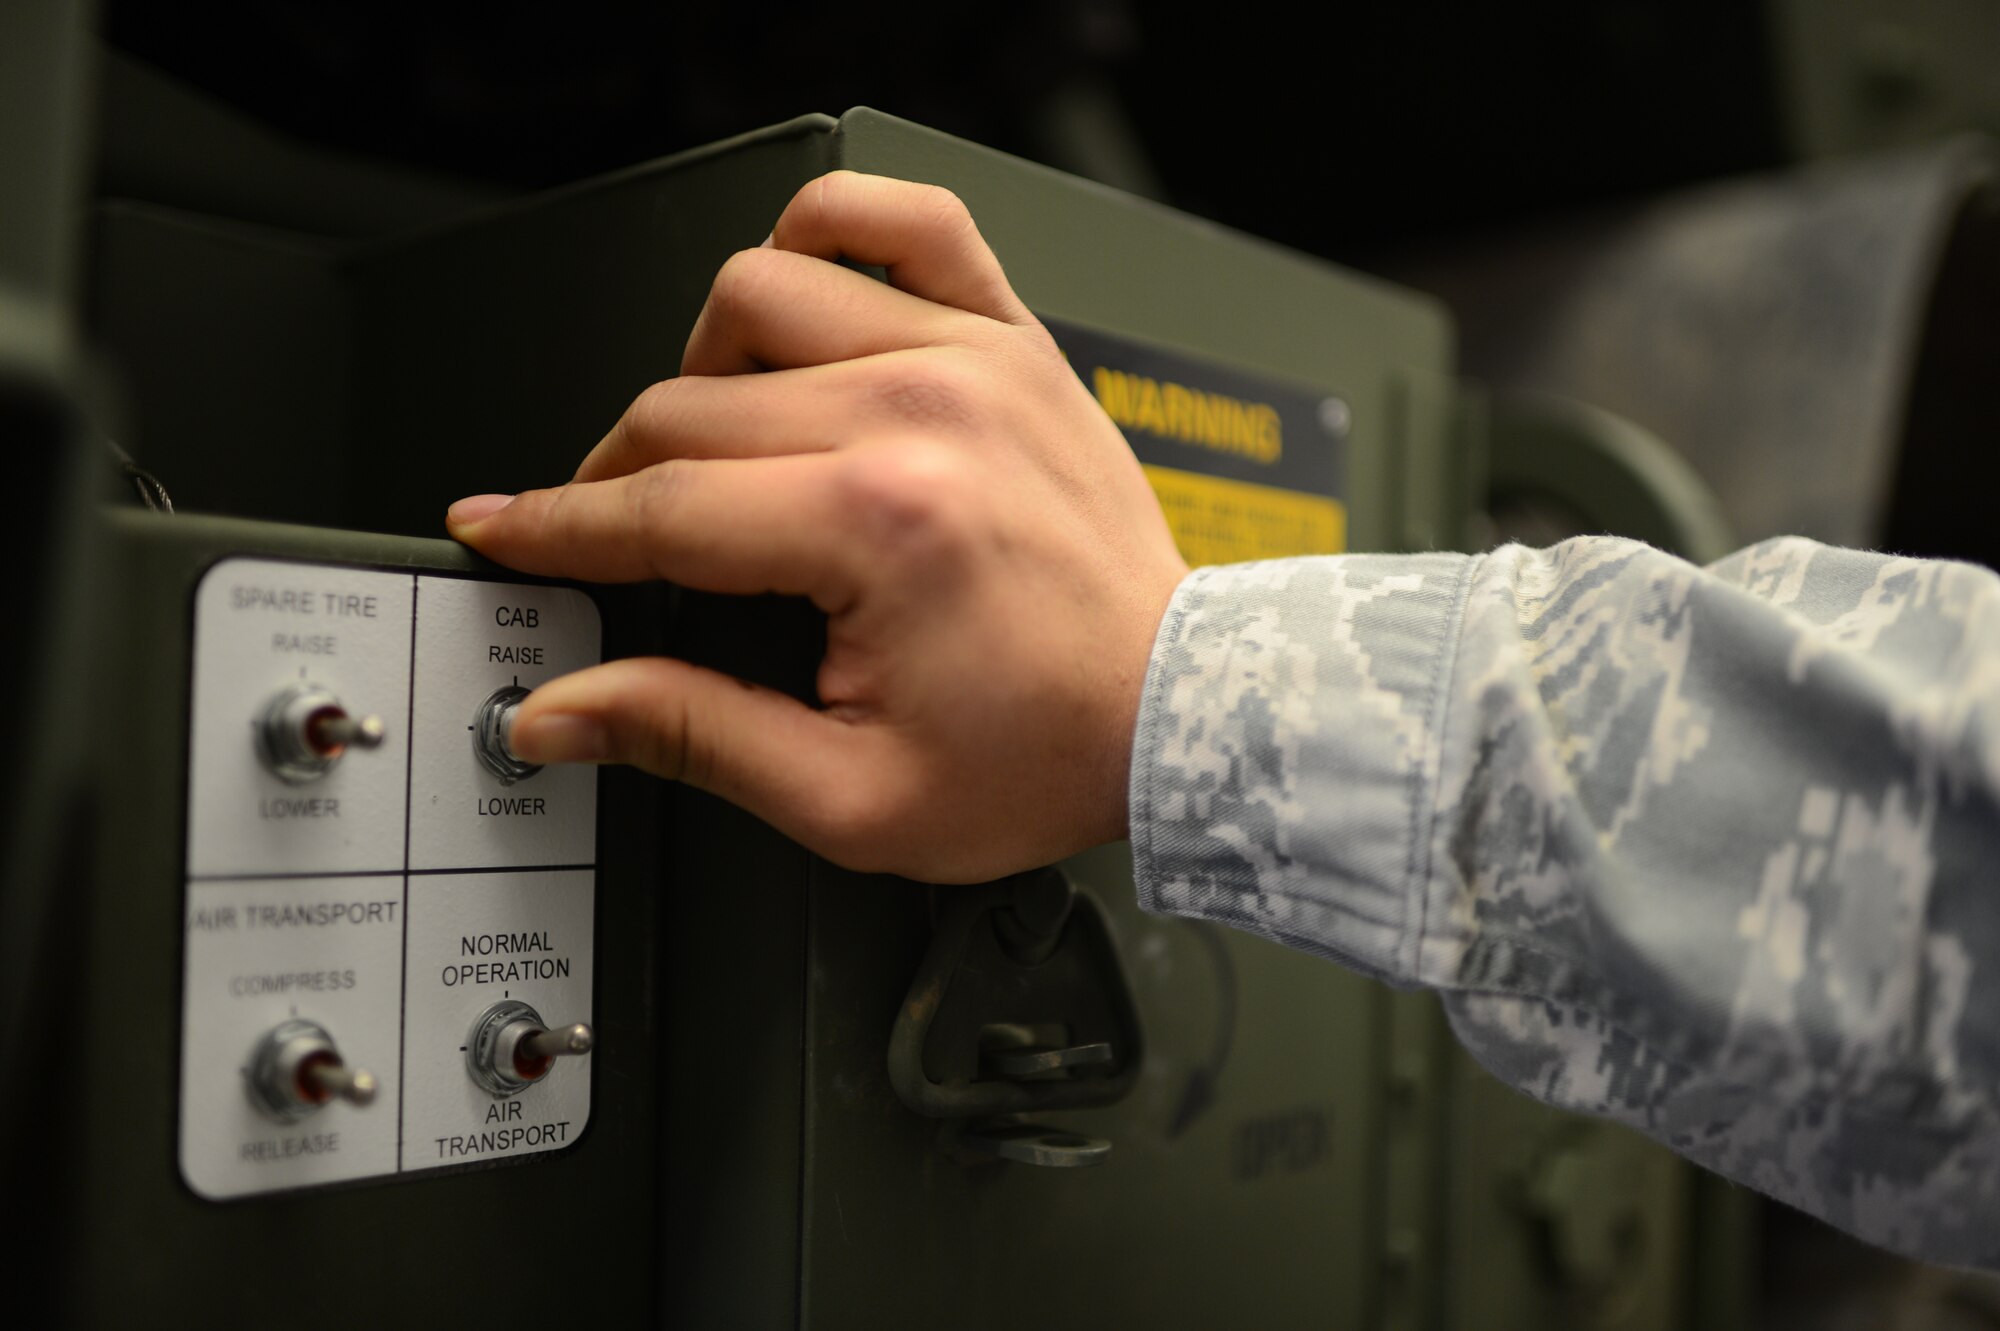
(389, 916)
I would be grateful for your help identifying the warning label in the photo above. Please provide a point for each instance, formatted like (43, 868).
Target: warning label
(1245, 467)
(1230, 522)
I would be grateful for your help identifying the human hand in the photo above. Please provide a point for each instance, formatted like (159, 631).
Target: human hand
(918, 459)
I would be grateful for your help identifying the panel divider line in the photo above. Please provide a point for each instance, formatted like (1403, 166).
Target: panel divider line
(409, 778)
(385, 873)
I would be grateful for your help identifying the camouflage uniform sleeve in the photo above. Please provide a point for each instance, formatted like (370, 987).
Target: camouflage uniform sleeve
(1709, 851)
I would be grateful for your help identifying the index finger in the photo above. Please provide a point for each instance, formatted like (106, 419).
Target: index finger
(922, 235)
(744, 526)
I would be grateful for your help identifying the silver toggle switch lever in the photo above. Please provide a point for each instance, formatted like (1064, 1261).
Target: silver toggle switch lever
(296, 1068)
(305, 730)
(493, 736)
(511, 1048)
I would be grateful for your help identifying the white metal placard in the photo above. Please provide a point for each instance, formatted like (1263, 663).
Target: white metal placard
(371, 905)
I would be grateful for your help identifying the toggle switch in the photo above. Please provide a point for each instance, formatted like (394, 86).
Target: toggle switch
(296, 1068)
(512, 1048)
(305, 730)
(492, 736)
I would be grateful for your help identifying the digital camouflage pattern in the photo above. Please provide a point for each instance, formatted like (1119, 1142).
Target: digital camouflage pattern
(1710, 851)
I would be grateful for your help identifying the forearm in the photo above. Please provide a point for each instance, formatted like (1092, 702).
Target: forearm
(1703, 850)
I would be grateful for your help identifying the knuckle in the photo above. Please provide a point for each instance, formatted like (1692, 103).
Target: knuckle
(932, 393)
(939, 207)
(652, 412)
(915, 499)
(655, 493)
(554, 512)
(742, 282)
(823, 195)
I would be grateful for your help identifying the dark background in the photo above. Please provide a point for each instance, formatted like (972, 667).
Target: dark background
(1352, 131)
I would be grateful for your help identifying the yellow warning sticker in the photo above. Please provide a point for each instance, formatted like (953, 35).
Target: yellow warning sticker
(1221, 521)
(1247, 466)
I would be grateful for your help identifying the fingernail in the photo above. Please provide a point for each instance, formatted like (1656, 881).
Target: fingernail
(560, 739)
(475, 509)
(769, 241)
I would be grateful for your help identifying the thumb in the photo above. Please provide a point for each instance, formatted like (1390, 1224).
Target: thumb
(754, 747)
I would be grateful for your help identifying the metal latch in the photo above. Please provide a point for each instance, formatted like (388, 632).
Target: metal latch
(1020, 1007)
